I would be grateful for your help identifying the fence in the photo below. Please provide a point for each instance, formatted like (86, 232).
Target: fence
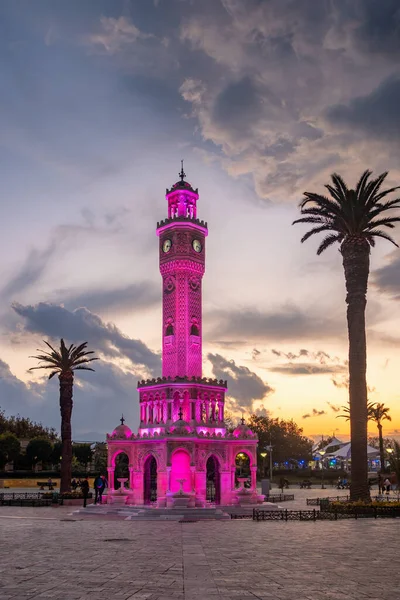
(24, 499)
(344, 499)
(361, 512)
(279, 498)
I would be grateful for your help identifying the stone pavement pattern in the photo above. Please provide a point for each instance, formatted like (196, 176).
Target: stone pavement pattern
(44, 553)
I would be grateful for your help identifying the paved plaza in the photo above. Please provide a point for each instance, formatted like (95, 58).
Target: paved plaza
(50, 553)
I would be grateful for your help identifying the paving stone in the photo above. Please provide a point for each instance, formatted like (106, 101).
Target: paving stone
(42, 556)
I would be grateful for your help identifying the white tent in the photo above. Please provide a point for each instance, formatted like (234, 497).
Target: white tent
(345, 452)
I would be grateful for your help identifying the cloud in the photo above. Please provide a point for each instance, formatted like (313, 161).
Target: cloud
(115, 35)
(375, 114)
(334, 407)
(315, 413)
(264, 98)
(140, 295)
(99, 400)
(288, 323)
(244, 385)
(55, 322)
(307, 369)
(387, 278)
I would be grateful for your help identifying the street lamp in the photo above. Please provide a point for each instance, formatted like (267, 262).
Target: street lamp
(263, 455)
(322, 453)
(269, 449)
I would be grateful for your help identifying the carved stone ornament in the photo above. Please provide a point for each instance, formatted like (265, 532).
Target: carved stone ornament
(169, 284)
(194, 283)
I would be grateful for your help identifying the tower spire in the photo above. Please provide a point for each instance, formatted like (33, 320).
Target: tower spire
(182, 174)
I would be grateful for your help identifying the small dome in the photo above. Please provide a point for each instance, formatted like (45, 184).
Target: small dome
(122, 431)
(242, 430)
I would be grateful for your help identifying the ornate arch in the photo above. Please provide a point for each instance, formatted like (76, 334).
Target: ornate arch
(114, 452)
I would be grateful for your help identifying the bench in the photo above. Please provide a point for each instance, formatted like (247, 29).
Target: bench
(44, 484)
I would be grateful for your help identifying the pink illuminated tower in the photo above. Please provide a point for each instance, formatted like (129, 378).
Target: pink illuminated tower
(182, 443)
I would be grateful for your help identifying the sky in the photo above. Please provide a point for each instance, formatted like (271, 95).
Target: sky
(263, 99)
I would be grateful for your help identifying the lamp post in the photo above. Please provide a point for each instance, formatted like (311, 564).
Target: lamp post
(322, 453)
(269, 449)
(263, 455)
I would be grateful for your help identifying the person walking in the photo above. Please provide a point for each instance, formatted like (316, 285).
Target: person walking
(85, 490)
(99, 485)
(387, 485)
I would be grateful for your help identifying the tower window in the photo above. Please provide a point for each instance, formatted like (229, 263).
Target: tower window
(169, 330)
(194, 330)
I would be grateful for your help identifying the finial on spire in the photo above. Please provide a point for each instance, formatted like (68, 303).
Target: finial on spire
(182, 174)
(180, 413)
(242, 419)
(122, 420)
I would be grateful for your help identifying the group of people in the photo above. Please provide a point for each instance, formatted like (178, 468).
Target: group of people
(99, 485)
(385, 486)
(342, 484)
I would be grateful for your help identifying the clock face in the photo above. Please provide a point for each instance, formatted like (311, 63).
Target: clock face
(167, 245)
(197, 247)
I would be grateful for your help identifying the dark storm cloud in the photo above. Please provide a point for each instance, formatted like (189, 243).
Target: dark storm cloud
(239, 105)
(378, 26)
(387, 278)
(99, 400)
(289, 323)
(55, 322)
(376, 114)
(244, 385)
(141, 295)
(315, 413)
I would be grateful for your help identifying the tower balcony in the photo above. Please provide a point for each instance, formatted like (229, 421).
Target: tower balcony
(202, 381)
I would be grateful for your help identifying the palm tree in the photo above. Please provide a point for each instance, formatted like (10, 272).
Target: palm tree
(378, 413)
(353, 218)
(64, 362)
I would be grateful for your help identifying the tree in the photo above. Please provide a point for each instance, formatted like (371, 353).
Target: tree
(24, 428)
(286, 437)
(64, 362)
(10, 448)
(83, 453)
(378, 413)
(353, 218)
(55, 457)
(394, 460)
(39, 450)
(100, 457)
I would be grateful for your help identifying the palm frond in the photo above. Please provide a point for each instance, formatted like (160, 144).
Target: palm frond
(314, 231)
(328, 241)
(384, 235)
(83, 369)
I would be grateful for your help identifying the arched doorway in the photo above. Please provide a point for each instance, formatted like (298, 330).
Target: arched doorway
(242, 462)
(121, 469)
(180, 470)
(150, 480)
(213, 481)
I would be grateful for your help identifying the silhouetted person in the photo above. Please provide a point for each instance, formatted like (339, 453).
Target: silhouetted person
(85, 490)
(99, 486)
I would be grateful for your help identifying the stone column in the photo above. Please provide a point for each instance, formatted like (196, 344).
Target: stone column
(226, 492)
(207, 404)
(233, 471)
(201, 486)
(110, 477)
(213, 409)
(150, 416)
(220, 411)
(198, 410)
(193, 478)
(131, 482)
(253, 478)
(169, 479)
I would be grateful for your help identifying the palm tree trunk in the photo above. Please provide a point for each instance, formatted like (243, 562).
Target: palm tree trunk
(66, 388)
(355, 254)
(381, 450)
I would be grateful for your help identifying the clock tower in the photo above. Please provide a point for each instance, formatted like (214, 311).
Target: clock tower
(182, 264)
